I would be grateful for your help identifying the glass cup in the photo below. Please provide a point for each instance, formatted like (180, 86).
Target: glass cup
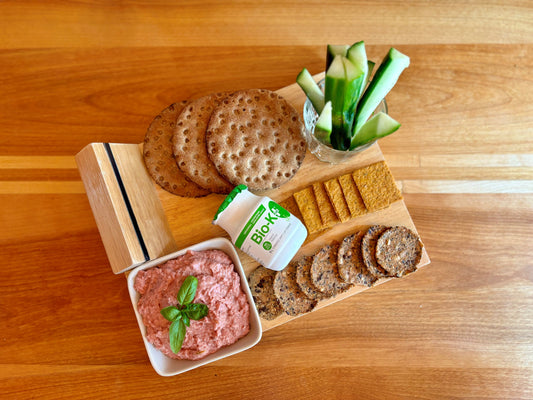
(325, 152)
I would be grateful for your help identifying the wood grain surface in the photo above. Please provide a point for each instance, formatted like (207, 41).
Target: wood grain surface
(75, 72)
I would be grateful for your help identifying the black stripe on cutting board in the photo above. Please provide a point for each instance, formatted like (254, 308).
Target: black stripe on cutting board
(127, 201)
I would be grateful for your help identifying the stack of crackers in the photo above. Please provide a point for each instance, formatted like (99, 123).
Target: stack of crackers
(327, 203)
(212, 144)
(361, 258)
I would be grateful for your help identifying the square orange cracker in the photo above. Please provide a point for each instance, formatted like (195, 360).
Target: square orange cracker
(308, 206)
(290, 205)
(377, 186)
(334, 191)
(327, 213)
(352, 196)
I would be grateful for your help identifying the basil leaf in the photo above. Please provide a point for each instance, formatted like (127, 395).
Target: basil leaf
(171, 313)
(196, 311)
(176, 333)
(185, 319)
(187, 290)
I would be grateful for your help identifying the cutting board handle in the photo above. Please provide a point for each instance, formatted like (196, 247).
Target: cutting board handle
(125, 204)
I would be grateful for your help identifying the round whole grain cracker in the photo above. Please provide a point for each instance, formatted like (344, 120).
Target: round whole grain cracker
(261, 282)
(325, 273)
(350, 262)
(255, 137)
(189, 145)
(399, 250)
(292, 299)
(159, 158)
(368, 249)
(303, 278)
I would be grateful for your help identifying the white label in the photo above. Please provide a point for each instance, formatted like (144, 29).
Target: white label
(264, 232)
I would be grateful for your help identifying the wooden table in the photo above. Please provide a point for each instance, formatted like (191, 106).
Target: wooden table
(72, 73)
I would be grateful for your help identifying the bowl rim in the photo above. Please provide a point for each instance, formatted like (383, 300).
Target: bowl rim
(166, 366)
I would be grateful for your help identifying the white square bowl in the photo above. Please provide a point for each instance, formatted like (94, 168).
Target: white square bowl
(166, 366)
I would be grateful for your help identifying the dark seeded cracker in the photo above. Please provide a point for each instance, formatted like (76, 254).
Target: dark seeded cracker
(291, 298)
(368, 249)
(303, 278)
(398, 251)
(324, 271)
(261, 282)
(350, 262)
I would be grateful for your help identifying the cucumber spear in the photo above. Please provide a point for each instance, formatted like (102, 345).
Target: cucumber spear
(334, 92)
(323, 124)
(311, 90)
(354, 81)
(357, 55)
(344, 83)
(335, 50)
(380, 125)
(384, 79)
(371, 65)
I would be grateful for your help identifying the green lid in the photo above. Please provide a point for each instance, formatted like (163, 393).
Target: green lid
(229, 198)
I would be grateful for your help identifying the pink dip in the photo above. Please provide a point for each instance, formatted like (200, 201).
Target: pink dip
(218, 286)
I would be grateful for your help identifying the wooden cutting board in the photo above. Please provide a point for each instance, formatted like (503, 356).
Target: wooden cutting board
(138, 221)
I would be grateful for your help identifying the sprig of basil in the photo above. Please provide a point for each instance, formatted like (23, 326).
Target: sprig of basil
(187, 290)
(171, 313)
(176, 334)
(195, 311)
(180, 316)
